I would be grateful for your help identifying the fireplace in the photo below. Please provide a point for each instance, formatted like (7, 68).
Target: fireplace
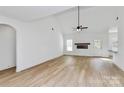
(82, 45)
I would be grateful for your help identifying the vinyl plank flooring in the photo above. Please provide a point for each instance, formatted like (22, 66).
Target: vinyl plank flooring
(66, 71)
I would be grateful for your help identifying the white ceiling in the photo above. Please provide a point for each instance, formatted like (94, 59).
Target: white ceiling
(29, 13)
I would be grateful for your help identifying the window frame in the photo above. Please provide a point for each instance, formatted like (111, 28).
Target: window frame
(69, 45)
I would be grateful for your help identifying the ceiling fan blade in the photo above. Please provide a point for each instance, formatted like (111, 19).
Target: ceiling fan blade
(81, 28)
(84, 27)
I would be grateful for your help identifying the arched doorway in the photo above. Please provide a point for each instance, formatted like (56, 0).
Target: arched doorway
(7, 47)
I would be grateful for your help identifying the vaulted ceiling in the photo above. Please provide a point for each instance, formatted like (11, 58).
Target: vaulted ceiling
(98, 19)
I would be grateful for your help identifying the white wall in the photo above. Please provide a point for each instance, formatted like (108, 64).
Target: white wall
(35, 42)
(7, 47)
(40, 43)
(119, 57)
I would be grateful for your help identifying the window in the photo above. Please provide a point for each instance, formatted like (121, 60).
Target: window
(113, 39)
(69, 45)
(97, 44)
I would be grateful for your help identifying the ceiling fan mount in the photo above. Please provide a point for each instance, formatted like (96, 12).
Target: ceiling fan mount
(79, 27)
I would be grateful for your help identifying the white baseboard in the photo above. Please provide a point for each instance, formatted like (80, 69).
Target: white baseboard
(84, 55)
(4, 68)
(35, 63)
(119, 66)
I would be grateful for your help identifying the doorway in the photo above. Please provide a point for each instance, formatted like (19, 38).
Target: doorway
(7, 47)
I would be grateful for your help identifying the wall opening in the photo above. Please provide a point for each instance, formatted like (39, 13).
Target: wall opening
(7, 47)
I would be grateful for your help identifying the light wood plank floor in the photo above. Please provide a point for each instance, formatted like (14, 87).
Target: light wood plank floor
(66, 71)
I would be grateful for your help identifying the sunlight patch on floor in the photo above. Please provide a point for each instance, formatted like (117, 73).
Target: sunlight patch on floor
(106, 59)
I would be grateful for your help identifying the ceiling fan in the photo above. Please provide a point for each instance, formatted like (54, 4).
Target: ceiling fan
(79, 27)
